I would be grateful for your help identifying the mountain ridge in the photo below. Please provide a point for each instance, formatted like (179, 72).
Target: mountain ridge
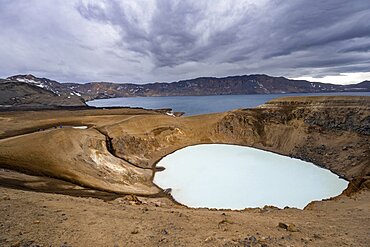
(242, 84)
(201, 86)
(30, 92)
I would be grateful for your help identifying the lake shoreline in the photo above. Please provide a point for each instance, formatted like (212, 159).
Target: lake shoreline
(197, 105)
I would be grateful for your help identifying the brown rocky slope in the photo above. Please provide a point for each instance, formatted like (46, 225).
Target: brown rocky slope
(333, 132)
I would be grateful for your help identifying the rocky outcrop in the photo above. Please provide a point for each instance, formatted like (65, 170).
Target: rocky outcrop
(330, 132)
(336, 113)
(19, 94)
(358, 184)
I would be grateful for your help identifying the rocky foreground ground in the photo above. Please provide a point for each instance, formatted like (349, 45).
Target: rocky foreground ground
(93, 187)
(31, 218)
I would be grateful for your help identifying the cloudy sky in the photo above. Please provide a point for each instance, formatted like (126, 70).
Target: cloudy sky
(168, 40)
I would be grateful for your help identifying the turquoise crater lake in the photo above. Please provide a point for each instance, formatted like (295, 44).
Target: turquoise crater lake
(237, 177)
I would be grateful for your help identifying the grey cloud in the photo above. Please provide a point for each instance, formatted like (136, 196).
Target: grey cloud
(320, 23)
(356, 48)
(297, 26)
(169, 31)
(171, 40)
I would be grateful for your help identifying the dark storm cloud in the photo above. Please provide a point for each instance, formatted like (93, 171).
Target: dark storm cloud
(171, 39)
(169, 34)
(162, 40)
(320, 23)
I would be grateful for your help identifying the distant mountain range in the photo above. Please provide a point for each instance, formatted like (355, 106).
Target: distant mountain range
(246, 84)
(20, 89)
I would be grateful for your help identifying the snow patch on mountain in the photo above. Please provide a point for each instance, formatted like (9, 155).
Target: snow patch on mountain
(36, 83)
(42, 83)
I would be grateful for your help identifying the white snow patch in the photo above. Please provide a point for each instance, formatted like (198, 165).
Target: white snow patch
(80, 127)
(170, 114)
(36, 83)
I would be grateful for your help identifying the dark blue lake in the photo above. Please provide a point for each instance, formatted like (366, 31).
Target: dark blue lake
(194, 105)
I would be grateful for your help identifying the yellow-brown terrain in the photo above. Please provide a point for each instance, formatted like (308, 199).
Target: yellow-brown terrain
(93, 187)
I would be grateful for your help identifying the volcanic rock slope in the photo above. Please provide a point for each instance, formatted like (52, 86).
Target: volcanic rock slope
(54, 148)
(332, 132)
(31, 92)
(118, 152)
(121, 147)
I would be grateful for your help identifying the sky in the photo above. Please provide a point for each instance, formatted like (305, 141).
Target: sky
(168, 40)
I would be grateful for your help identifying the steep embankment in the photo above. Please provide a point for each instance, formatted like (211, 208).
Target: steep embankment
(78, 156)
(332, 132)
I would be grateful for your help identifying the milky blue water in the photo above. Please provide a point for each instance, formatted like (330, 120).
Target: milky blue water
(236, 177)
(193, 105)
